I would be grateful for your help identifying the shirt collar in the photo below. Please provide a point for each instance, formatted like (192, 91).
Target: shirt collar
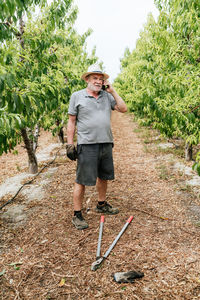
(89, 96)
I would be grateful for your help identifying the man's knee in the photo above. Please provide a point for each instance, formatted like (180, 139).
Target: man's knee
(79, 188)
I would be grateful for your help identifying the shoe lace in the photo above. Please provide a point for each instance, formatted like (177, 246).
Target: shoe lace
(81, 218)
(107, 204)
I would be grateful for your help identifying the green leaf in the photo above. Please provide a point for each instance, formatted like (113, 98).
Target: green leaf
(2, 272)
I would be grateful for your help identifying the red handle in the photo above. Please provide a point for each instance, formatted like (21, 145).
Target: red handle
(102, 219)
(130, 219)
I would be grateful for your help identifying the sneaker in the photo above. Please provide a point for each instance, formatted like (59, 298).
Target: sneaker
(106, 209)
(79, 223)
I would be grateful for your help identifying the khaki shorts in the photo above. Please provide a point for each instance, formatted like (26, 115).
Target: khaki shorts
(94, 160)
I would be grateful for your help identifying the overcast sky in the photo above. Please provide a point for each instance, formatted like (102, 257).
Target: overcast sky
(116, 24)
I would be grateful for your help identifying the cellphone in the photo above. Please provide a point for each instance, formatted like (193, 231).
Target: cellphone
(104, 87)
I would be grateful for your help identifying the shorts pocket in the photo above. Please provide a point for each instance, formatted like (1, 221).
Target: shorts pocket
(79, 149)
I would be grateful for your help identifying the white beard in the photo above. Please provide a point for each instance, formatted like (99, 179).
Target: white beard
(93, 87)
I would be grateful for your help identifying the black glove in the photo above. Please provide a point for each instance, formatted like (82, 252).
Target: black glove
(71, 152)
(123, 277)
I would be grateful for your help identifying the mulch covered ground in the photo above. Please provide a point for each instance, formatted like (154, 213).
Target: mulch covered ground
(47, 258)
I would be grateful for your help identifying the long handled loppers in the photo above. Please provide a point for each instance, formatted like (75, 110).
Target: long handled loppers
(98, 255)
(98, 262)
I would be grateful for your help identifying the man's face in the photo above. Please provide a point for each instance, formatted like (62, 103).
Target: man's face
(95, 82)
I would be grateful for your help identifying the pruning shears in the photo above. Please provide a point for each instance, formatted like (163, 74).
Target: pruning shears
(99, 258)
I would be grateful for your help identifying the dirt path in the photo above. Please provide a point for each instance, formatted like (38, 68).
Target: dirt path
(47, 258)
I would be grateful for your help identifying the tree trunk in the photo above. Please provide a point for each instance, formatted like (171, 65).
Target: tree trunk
(32, 159)
(188, 152)
(35, 136)
(61, 135)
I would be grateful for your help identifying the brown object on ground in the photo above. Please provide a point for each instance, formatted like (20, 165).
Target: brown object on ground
(48, 258)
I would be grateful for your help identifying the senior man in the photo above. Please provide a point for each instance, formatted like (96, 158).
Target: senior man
(90, 112)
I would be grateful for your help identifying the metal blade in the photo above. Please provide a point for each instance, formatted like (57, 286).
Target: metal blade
(97, 263)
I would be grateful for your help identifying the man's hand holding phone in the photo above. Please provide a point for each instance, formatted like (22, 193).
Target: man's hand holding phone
(104, 87)
(107, 87)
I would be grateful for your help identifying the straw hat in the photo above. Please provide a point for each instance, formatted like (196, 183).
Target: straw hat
(94, 69)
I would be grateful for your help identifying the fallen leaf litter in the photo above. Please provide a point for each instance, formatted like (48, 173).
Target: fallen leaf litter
(55, 258)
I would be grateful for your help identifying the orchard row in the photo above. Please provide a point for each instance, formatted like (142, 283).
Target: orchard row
(160, 78)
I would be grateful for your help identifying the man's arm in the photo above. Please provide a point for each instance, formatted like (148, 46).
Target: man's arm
(71, 126)
(121, 105)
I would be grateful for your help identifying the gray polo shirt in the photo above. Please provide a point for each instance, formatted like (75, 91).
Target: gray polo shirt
(92, 116)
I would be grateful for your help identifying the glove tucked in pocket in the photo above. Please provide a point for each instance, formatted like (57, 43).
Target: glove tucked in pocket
(71, 152)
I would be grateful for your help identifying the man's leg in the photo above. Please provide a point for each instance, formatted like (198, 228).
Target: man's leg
(102, 189)
(78, 220)
(102, 206)
(78, 195)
